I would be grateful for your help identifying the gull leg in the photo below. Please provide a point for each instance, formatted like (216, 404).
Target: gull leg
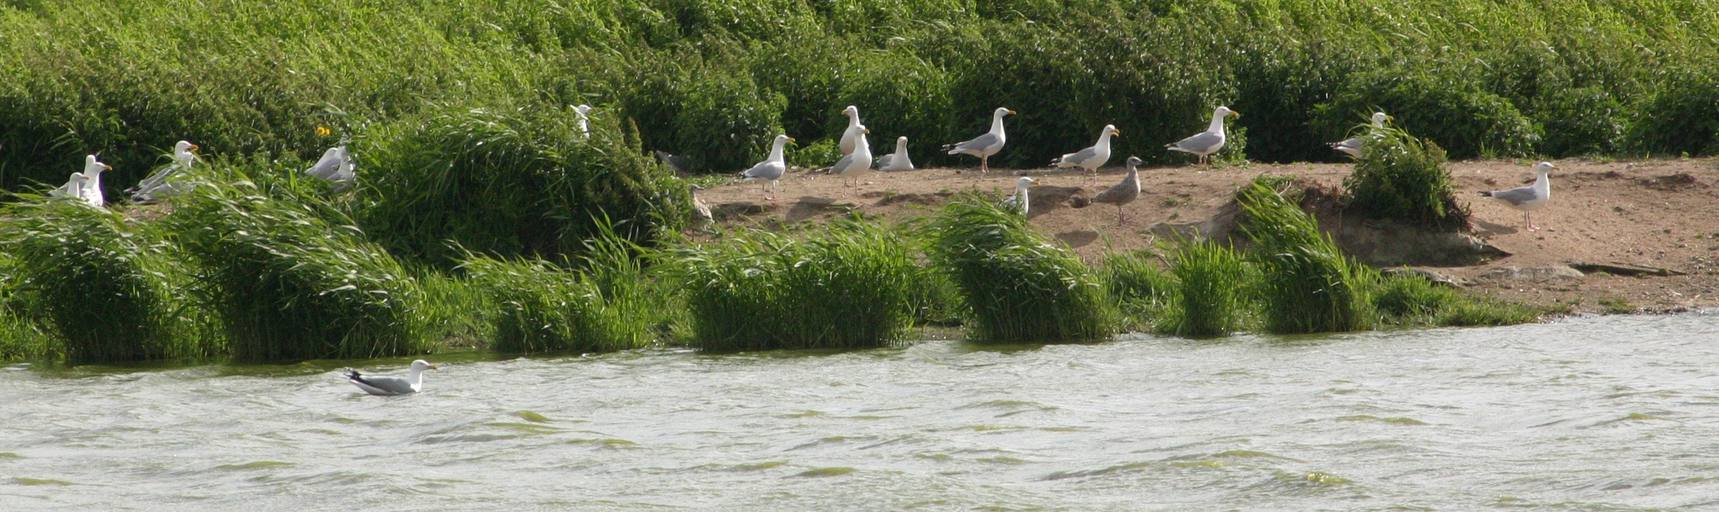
(1118, 215)
(984, 165)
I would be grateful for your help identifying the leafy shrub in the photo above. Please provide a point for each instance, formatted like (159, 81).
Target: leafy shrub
(848, 287)
(1021, 289)
(1447, 107)
(717, 117)
(1400, 177)
(1581, 121)
(286, 284)
(899, 94)
(509, 182)
(1308, 285)
(1212, 297)
(1681, 114)
(104, 291)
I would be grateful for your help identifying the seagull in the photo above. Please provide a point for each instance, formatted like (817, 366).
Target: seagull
(1019, 200)
(335, 166)
(853, 130)
(1352, 145)
(985, 145)
(771, 168)
(1528, 198)
(413, 382)
(1207, 142)
(1125, 192)
(73, 189)
(89, 186)
(897, 161)
(580, 112)
(1093, 157)
(155, 186)
(856, 164)
(700, 211)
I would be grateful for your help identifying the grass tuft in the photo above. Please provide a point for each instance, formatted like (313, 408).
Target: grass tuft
(1307, 284)
(1211, 299)
(1139, 288)
(1403, 178)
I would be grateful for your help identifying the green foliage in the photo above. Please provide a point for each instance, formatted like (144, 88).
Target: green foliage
(1212, 297)
(1138, 287)
(1020, 287)
(716, 116)
(104, 291)
(1581, 121)
(1401, 298)
(509, 182)
(286, 284)
(537, 307)
(1447, 107)
(1681, 116)
(1403, 178)
(1485, 312)
(851, 286)
(1308, 284)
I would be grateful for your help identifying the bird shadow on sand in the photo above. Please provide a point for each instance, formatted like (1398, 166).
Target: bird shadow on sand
(1485, 228)
(727, 211)
(808, 207)
(1078, 238)
(1046, 198)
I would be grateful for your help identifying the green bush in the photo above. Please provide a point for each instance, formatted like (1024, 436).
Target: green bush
(1020, 287)
(1308, 285)
(1137, 286)
(1681, 114)
(899, 94)
(851, 286)
(509, 182)
(537, 307)
(716, 116)
(104, 291)
(1404, 298)
(286, 284)
(1212, 298)
(1581, 121)
(1448, 107)
(1403, 178)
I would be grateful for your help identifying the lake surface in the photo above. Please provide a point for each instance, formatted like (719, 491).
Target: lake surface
(1612, 413)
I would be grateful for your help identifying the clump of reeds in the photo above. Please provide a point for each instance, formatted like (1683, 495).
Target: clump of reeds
(1414, 301)
(1211, 298)
(1401, 177)
(104, 291)
(1018, 286)
(288, 284)
(851, 286)
(1140, 288)
(603, 304)
(1307, 284)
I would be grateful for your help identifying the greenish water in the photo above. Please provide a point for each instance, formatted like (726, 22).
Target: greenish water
(1613, 413)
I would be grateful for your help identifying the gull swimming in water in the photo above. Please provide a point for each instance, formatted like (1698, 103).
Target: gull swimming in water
(1019, 201)
(413, 382)
(770, 170)
(581, 113)
(985, 145)
(1090, 158)
(156, 186)
(335, 166)
(1205, 143)
(852, 131)
(855, 165)
(898, 160)
(1122, 193)
(1529, 198)
(1352, 146)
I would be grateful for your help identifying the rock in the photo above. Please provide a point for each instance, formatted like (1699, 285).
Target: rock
(1428, 274)
(1390, 243)
(1536, 274)
(1621, 269)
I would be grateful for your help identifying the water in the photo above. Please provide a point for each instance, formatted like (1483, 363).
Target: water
(1614, 413)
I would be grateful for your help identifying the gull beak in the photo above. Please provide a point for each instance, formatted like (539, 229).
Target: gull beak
(1235, 114)
(1116, 132)
(865, 130)
(1011, 112)
(195, 147)
(106, 168)
(792, 141)
(434, 367)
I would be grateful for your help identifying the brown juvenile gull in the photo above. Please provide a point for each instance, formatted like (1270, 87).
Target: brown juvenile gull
(1122, 193)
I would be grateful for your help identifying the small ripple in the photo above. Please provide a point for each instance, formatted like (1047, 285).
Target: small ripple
(260, 464)
(603, 442)
(1392, 420)
(38, 481)
(531, 416)
(825, 472)
(10, 456)
(1087, 473)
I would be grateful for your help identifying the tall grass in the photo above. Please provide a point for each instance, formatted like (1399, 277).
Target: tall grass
(1212, 296)
(604, 304)
(1139, 288)
(1401, 177)
(1307, 285)
(105, 291)
(1020, 287)
(849, 287)
(286, 284)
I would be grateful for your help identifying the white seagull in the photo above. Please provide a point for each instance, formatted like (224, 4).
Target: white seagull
(897, 161)
(1528, 198)
(1352, 146)
(73, 189)
(771, 168)
(1093, 157)
(852, 131)
(335, 166)
(155, 186)
(582, 112)
(856, 164)
(1122, 193)
(1207, 142)
(1019, 200)
(89, 186)
(985, 145)
(413, 382)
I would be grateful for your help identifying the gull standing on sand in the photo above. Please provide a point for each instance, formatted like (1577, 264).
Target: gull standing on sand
(897, 161)
(155, 186)
(700, 211)
(413, 382)
(1528, 198)
(852, 132)
(1352, 146)
(335, 166)
(856, 164)
(985, 145)
(581, 113)
(771, 168)
(1019, 201)
(1090, 158)
(1123, 193)
(1207, 142)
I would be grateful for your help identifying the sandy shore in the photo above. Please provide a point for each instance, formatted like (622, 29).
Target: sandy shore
(1656, 213)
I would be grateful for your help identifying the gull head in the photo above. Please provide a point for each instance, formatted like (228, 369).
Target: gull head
(864, 130)
(582, 109)
(783, 139)
(1379, 118)
(421, 365)
(185, 147)
(1223, 111)
(1135, 161)
(1024, 182)
(91, 166)
(1544, 168)
(901, 140)
(851, 111)
(1110, 129)
(1000, 112)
